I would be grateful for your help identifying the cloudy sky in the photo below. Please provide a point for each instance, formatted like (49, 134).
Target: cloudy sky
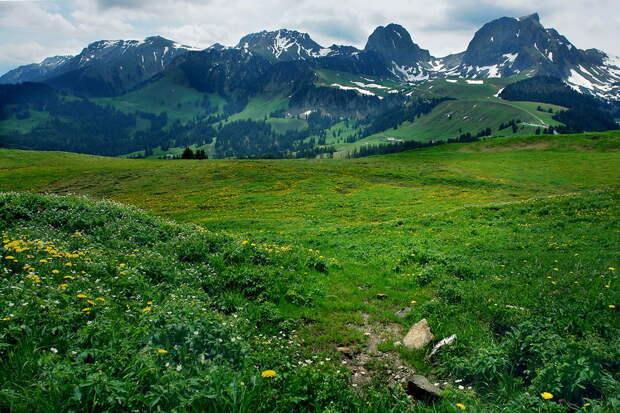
(33, 30)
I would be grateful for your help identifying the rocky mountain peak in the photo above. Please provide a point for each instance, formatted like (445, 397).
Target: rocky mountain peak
(282, 45)
(534, 17)
(395, 44)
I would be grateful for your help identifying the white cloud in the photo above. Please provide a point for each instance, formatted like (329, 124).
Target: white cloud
(442, 26)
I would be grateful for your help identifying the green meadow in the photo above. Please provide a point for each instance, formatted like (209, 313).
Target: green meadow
(300, 266)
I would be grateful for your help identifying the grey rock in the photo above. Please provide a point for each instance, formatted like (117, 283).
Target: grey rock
(403, 312)
(419, 335)
(421, 389)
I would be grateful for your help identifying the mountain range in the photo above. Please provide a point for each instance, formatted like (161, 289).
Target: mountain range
(501, 48)
(304, 97)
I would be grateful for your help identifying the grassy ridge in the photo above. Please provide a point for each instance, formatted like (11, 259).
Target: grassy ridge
(502, 242)
(476, 107)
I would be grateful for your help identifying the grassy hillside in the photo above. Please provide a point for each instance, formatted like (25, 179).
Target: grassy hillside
(508, 243)
(25, 125)
(259, 107)
(474, 108)
(169, 94)
(374, 85)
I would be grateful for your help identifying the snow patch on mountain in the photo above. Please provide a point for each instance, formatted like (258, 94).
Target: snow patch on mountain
(510, 57)
(370, 85)
(357, 89)
(576, 80)
(409, 73)
(281, 44)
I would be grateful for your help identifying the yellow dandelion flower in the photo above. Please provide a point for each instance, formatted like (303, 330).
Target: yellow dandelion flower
(414, 302)
(101, 299)
(63, 286)
(149, 303)
(9, 257)
(244, 242)
(68, 264)
(611, 306)
(611, 269)
(82, 296)
(122, 265)
(43, 261)
(68, 277)
(546, 395)
(85, 309)
(161, 351)
(6, 319)
(460, 406)
(55, 272)
(147, 309)
(268, 373)
(91, 302)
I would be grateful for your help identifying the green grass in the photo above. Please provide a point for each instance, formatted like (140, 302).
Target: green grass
(531, 108)
(283, 125)
(340, 128)
(509, 243)
(170, 94)
(175, 151)
(452, 118)
(259, 107)
(107, 308)
(25, 125)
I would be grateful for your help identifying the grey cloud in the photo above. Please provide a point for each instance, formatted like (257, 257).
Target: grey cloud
(121, 4)
(343, 31)
(141, 4)
(470, 14)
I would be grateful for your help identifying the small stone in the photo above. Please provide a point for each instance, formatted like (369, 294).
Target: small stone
(345, 350)
(421, 389)
(419, 335)
(403, 312)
